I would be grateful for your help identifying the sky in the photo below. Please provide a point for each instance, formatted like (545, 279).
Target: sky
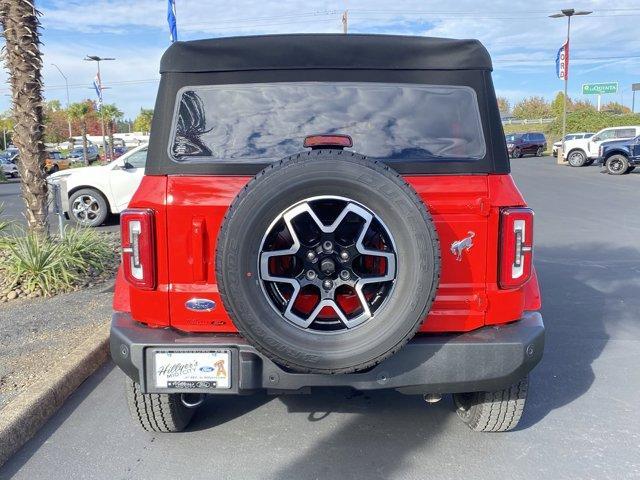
(522, 39)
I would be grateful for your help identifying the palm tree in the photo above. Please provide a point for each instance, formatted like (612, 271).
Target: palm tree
(79, 111)
(23, 59)
(111, 114)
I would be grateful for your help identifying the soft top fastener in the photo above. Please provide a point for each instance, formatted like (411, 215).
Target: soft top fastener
(328, 141)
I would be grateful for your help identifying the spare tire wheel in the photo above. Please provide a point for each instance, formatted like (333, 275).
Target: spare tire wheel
(328, 262)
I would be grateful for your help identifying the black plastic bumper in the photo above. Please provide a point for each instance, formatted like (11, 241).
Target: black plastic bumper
(487, 359)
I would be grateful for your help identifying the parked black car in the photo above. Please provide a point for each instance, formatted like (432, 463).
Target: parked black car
(531, 143)
(619, 156)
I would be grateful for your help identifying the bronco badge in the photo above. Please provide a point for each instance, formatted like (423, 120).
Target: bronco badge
(459, 246)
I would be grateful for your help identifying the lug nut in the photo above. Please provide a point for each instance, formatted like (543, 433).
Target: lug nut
(344, 275)
(327, 284)
(344, 255)
(311, 274)
(311, 255)
(327, 246)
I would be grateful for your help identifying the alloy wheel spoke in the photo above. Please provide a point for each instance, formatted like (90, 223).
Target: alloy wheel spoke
(327, 294)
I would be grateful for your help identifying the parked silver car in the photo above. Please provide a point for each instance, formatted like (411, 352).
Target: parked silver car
(9, 168)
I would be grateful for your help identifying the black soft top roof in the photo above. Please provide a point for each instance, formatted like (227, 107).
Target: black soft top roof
(325, 51)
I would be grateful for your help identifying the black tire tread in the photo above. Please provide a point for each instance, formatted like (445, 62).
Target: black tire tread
(497, 411)
(625, 161)
(362, 160)
(157, 412)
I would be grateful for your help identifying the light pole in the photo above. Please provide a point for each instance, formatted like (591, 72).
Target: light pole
(97, 59)
(66, 82)
(567, 12)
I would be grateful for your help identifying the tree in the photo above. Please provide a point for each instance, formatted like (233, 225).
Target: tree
(557, 105)
(581, 105)
(6, 128)
(79, 111)
(124, 125)
(56, 125)
(142, 123)
(504, 106)
(531, 108)
(615, 107)
(111, 114)
(23, 60)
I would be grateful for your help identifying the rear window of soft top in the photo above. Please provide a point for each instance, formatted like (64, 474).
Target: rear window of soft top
(269, 121)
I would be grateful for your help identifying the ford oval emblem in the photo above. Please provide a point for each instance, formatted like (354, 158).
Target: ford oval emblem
(206, 369)
(200, 305)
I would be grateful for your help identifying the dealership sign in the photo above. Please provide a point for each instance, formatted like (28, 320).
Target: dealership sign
(599, 88)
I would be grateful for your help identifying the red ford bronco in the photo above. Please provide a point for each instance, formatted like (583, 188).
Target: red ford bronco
(327, 210)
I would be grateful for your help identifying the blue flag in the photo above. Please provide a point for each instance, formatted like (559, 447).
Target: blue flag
(97, 85)
(171, 18)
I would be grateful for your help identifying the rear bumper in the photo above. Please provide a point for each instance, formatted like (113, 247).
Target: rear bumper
(487, 359)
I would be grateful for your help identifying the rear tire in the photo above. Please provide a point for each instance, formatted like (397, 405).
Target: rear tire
(617, 165)
(497, 411)
(157, 412)
(516, 153)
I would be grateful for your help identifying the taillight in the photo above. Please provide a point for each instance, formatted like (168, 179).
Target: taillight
(138, 247)
(516, 246)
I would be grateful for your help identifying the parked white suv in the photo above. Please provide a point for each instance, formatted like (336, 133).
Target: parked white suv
(569, 136)
(94, 192)
(584, 151)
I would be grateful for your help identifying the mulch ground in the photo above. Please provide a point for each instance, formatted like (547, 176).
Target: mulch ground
(35, 332)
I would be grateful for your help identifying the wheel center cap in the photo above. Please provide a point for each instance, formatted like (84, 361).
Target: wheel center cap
(327, 266)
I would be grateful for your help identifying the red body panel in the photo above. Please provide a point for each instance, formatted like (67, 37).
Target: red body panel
(152, 306)
(190, 210)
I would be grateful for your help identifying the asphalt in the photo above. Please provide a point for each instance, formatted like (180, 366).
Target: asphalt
(13, 204)
(581, 419)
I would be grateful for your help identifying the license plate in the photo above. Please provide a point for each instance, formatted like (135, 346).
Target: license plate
(193, 369)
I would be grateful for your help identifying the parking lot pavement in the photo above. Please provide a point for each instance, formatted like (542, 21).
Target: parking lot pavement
(14, 209)
(581, 419)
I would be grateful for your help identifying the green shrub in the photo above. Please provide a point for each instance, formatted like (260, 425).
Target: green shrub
(50, 264)
(83, 248)
(36, 263)
(4, 224)
(585, 120)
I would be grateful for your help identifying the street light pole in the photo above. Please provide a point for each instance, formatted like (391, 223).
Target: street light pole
(567, 12)
(97, 59)
(66, 82)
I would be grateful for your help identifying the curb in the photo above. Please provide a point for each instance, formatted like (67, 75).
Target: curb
(29, 411)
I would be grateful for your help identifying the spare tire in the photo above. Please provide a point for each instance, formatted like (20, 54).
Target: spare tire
(327, 262)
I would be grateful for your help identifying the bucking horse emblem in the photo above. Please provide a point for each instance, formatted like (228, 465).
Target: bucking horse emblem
(460, 246)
